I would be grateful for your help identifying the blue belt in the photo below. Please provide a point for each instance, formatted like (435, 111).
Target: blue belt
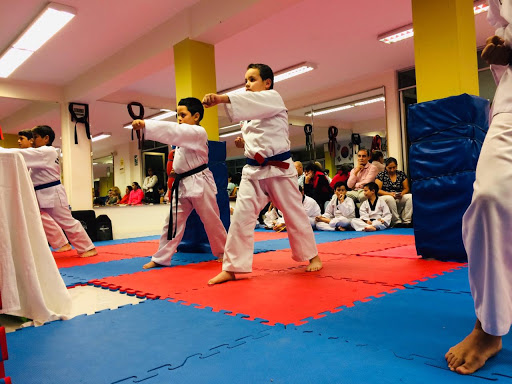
(277, 160)
(47, 185)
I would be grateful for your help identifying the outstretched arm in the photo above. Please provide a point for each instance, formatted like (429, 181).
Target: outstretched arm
(212, 99)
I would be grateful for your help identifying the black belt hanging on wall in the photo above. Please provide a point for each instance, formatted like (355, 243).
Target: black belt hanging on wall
(332, 132)
(139, 116)
(80, 114)
(308, 130)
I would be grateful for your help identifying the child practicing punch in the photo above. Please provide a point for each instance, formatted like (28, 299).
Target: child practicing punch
(43, 160)
(374, 214)
(339, 212)
(268, 175)
(193, 186)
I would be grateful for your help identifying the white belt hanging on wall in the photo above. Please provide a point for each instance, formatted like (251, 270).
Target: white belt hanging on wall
(80, 114)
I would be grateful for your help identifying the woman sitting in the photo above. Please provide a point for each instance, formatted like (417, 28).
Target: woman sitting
(126, 196)
(394, 190)
(136, 195)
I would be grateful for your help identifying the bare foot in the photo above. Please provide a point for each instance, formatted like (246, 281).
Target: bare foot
(92, 252)
(370, 228)
(340, 229)
(151, 264)
(315, 264)
(222, 278)
(220, 258)
(472, 353)
(64, 248)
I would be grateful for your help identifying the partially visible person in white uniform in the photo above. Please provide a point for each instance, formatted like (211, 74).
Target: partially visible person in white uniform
(311, 208)
(339, 212)
(44, 163)
(149, 186)
(374, 214)
(269, 173)
(193, 183)
(53, 232)
(486, 223)
(271, 216)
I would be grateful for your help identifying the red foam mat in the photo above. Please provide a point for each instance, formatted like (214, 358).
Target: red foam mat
(405, 252)
(364, 245)
(270, 235)
(145, 248)
(71, 259)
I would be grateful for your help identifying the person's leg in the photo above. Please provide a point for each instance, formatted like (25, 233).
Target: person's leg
(358, 224)
(360, 196)
(392, 205)
(54, 234)
(406, 206)
(77, 235)
(321, 226)
(341, 222)
(167, 248)
(489, 250)
(283, 191)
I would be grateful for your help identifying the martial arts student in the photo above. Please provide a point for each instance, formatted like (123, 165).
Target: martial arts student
(271, 216)
(53, 232)
(311, 208)
(487, 222)
(374, 214)
(193, 183)
(339, 212)
(44, 163)
(268, 174)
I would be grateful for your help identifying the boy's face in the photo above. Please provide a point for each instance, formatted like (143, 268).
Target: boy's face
(253, 81)
(23, 142)
(368, 193)
(40, 141)
(341, 191)
(185, 117)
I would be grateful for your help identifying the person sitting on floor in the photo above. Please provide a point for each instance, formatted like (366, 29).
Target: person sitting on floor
(374, 214)
(339, 212)
(311, 208)
(316, 185)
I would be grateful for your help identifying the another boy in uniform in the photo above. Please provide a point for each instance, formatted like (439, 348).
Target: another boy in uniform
(194, 183)
(339, 212)
(268, 175)
(374, 214)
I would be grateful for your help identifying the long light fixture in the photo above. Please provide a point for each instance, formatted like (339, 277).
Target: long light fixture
(161, 115)
(407, 31)
(47, 23)
(343, 107)
(281, 75)
(100, 136)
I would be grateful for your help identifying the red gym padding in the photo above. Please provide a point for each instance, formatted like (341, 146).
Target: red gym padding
(270, 235)
(405, 252)
(71, 259)
(363, 245)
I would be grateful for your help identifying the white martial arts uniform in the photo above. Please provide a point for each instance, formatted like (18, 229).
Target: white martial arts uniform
(340, 214)
(149, 183)
(265, 131)
(53, 232)
(270, 217)
(487, 221)
(44, 164)
(195, 192)
(380, 211)
(311, 208)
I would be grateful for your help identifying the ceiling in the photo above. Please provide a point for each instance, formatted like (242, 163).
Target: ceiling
(117, 51)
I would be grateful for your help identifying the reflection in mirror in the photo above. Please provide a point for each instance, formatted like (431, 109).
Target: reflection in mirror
(103, 177)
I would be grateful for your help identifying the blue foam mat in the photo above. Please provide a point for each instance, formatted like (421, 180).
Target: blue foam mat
(129, 342)
(456, 281)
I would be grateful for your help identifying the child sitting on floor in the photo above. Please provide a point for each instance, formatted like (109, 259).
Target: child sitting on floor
(339, 212)
(374, 214)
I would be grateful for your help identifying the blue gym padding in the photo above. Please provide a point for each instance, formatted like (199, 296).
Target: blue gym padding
(125, 344)
(456, 281)
(446, 138)
(195, 239)
(411, 322)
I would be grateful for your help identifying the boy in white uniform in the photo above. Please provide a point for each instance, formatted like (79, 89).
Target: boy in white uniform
(44, 163)
(194, 182)
(311, 208)
(487, 221)
(374, 214)
(53, 232)
(339, 212)
(269, 174)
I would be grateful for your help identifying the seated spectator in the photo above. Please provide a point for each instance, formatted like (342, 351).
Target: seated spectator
(394, 190)
(126, 196)
(378, 160)
(300, 173)
(114, 196)
(149, 187)
(361, 175)
(342, 175)
(271, 216)
(164, 196)
(136, 195)
(231, 185)
(374, 214)
(310, 206)
(317, 186)
(339, 212)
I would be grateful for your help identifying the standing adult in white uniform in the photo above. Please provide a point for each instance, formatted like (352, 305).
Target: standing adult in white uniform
(269, 174)
(487, 222)
(44, 163)
(196, 191)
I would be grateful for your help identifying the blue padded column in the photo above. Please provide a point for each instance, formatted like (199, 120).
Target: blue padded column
(446, 138)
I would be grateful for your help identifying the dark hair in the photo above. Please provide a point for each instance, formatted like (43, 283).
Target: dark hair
(43, 131)
(340, 184)
(26, 133)
(364, 149)
(390, 160)
(129, 187)
(265, 72)
(372, 186)
(194, 106)
(300, 188)
(376, 156)
(312, 167)
(137, 184)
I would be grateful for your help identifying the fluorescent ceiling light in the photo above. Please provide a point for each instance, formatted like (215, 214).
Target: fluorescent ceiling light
(407, 32)
(343, 107)
(49, 21)
(163, 114)
(101, 136)
(281, 75)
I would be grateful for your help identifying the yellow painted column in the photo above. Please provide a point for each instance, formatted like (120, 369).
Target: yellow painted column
(194, 64)
(444, 48)
(10, 140)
